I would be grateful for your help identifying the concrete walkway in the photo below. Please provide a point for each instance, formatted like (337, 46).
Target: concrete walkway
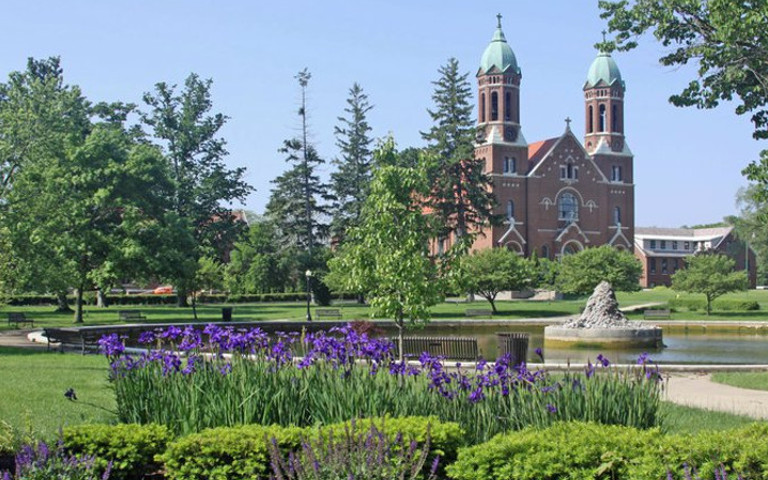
(698, 390)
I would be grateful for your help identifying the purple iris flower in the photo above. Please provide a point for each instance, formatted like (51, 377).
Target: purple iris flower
(540, 353)
(551, 408)
(604, 361)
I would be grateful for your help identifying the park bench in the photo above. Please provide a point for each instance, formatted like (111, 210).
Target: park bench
(478, 312)
(18, 317)
(69, 337)
(130, 315)
(657, 314)
(458, 348)
(327, 313)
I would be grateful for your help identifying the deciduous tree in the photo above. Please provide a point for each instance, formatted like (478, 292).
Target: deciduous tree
(710, 274)
(581, 272)
(726, 39)
(386, 256)
(492, 270)
(203, 186)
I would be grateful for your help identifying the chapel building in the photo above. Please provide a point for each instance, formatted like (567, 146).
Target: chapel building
(558, 195)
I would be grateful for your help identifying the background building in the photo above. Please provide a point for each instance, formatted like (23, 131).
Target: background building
(662, 251)
(558, 195)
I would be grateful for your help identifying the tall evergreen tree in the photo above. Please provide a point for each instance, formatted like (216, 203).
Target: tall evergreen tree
(461, 196)
(298, 204)
(351, 182)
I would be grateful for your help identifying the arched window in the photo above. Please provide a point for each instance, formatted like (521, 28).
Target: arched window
(494, 106)
(567, 208)
(617, 215)
(510, 210)
(614, 118)
(544, 251)
(601, 120)
(482, 108)
(591, 120)
(507, 106)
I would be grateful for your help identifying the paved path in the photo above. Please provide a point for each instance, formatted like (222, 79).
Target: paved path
(698, 390)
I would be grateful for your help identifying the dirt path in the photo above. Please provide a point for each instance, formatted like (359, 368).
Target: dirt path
(698, 390)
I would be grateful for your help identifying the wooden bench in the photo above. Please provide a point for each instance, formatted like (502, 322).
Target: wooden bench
(65, 337)
(658, 314)
(18, 317)
(130, 315)
(478, 312)
(327, 313)
(458, 348)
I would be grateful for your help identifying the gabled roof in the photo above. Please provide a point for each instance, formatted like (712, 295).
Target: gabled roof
(538, 150)
(683, 233)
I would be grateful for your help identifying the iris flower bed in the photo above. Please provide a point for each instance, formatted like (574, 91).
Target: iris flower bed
(191, 379)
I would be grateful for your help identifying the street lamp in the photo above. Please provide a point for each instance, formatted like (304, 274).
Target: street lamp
(308, 274)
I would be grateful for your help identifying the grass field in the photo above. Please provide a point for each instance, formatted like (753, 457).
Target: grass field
(519, 309)
(751, 380)
(33, 383)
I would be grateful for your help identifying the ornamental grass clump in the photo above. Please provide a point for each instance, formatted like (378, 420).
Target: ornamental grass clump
(370, 455)
(40, 462)
(222, 376)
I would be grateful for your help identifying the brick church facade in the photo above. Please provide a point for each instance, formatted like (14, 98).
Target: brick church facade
(558, 195)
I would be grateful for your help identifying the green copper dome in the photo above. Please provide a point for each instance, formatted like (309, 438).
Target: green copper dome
(603, 69)
(498, 54)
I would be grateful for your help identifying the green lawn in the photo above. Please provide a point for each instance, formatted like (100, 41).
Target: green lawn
(33, 383)
(520, 309)
(751, 380)
(680, 419)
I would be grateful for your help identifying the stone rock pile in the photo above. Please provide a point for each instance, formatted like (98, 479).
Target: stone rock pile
(602, 311)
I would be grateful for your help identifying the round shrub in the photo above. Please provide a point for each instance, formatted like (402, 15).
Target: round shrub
(130, 447)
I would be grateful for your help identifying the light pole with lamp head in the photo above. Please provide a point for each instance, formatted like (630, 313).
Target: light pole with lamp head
(308, 274)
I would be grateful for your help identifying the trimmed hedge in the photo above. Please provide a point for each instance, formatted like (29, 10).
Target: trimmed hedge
(587, 450)
(726, 305)
(242, 452)
(130, 447)
(151, 299)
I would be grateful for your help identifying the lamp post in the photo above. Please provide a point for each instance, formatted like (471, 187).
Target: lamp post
(308, 274)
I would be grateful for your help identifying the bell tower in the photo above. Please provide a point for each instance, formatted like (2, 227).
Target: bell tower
(498, 83)
(604, 106)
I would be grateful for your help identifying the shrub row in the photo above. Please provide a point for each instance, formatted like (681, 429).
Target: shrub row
(226, 453)
(694, 304)
(150, 299)
(584, 450)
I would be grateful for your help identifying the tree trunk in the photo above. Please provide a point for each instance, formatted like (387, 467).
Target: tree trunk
(61, 303)
(492, 301)
(79, 305)
(181, 298)
(399, 323)
(709, 305)
(101, 298)
(194, 306)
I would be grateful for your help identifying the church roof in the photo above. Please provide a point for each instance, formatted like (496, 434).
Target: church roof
(498, 54)
(603, 71)
(538, 150)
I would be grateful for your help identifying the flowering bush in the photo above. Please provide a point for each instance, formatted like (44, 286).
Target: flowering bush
(43, 463)
(225, 376)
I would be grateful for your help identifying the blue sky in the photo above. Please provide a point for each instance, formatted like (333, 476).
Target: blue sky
(687, 161)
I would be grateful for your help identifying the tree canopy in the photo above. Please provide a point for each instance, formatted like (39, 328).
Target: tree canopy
(492, 270)
(386, 256)
(581, 272)
(710, 274)
(726, 39)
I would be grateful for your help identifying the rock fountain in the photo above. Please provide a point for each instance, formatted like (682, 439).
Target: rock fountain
(603, 325)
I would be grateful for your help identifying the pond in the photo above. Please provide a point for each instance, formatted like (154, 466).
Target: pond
(693, 347)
